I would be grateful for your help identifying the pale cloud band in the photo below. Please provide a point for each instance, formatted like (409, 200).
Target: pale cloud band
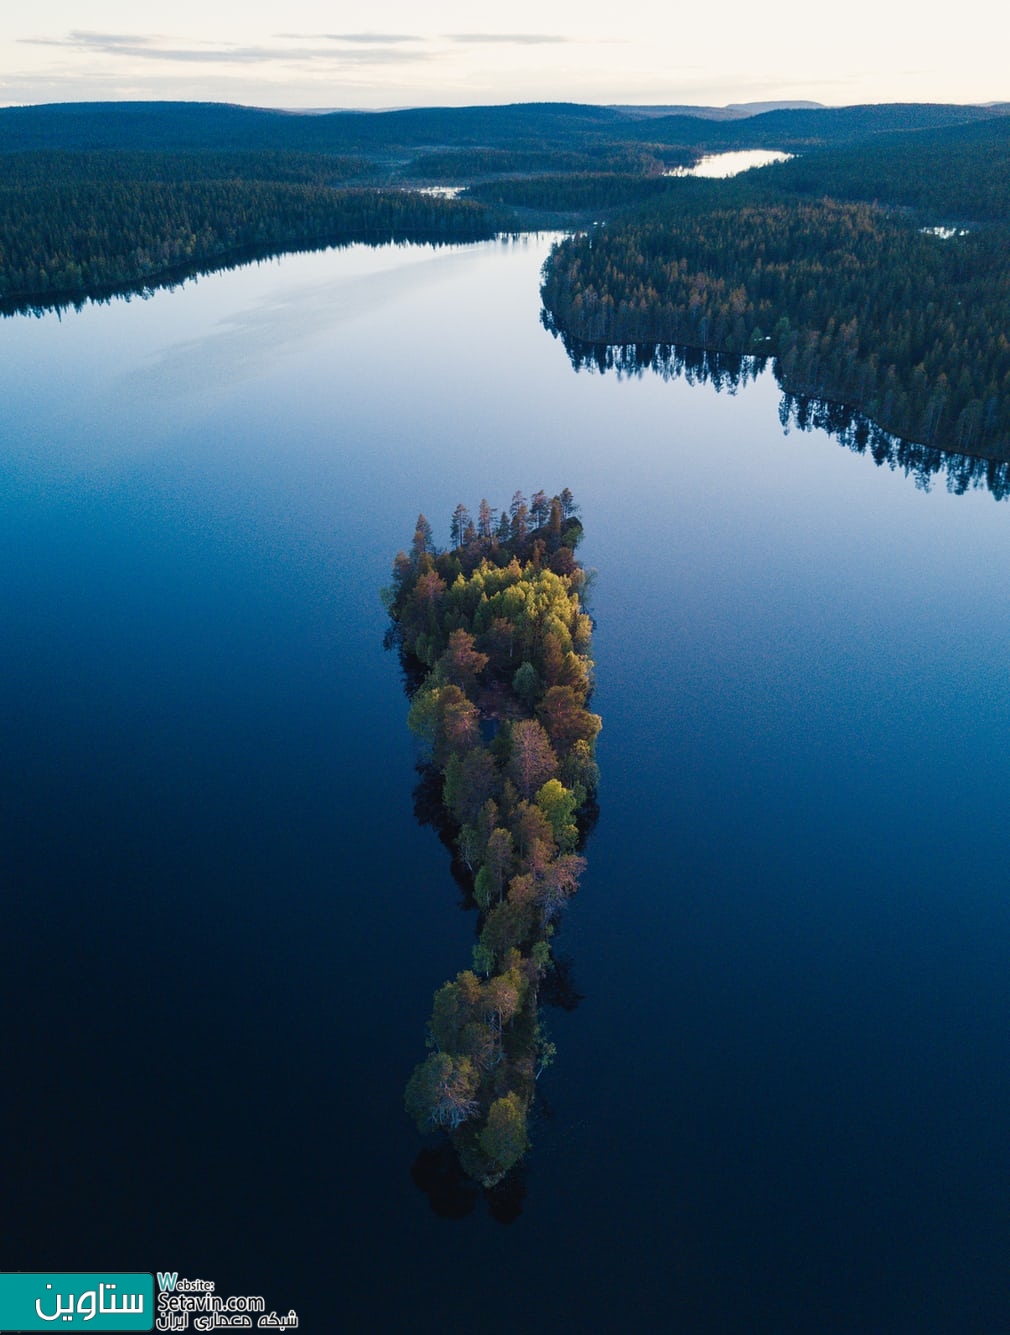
(354, 48)
(364, 38)
(136, 47)
(507, 38)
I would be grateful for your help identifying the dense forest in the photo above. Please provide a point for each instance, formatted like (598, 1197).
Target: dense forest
(495, 642)
(854, 303)
(573, 192)
(871, 267)
(101, 197)
(74, 225)
(899, 309)
(477, 164)
(952, 175)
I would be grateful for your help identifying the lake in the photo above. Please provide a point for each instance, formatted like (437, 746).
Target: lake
(717, 166)
(781, 1102)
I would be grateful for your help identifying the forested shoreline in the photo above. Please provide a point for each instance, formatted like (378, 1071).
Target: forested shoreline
(855, 305)
(852, 429)
(77, 227)
(495, 642)
(875, 279)
(100, 197)
(871, 267)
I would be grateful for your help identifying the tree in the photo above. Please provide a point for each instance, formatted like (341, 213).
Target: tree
(527, 684)
(534, 837)
(482, 887)
(403, 569)
(422, 716)
(485, 520)
(508, 925)
(469, 781)
(559, 804)
(575, 670)
(423, 539)
(579, 769)
(546, 1051)
(565, 718)
(441, 1092)
(421, 612)
(478, 1042)
(471, 844)
(498, 639)
(458, 524)
(519, 514)
(502, 997)
(498, 860)
(455, 1005)
(531, 757)
(457, 726)
(560, 881)
(462, 661)
(504, 1138)
(554, 523)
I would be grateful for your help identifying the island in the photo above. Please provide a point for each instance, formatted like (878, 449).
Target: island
(496, 643)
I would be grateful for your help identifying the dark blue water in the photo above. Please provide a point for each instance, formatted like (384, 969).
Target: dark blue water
(782, 1102)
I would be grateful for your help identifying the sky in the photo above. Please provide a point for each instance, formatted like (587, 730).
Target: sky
(325, 53)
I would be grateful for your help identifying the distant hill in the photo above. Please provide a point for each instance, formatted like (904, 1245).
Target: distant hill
(956, 174)
(735, 111)
(756, 108)
(806, 128)
(216, 127)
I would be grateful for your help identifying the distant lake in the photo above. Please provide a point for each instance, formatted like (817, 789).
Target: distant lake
(781, 1101)
(731, 164)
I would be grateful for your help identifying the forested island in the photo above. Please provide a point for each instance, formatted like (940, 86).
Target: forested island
(495, 642)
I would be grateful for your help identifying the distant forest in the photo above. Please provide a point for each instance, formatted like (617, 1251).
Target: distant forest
(875, 275)
(855, 303)
(74, 225)
(871, 267)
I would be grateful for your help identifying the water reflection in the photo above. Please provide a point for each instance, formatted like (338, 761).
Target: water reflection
(452, 1195)
(62, 303)
(924, 464)
(718, 166)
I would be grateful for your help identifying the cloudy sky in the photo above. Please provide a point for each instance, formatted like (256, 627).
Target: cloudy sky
(311, 53)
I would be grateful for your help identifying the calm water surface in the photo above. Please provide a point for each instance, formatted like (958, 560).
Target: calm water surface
(721, 165)
(782, 1102)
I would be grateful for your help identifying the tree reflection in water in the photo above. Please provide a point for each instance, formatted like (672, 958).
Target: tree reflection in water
(924, 464)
